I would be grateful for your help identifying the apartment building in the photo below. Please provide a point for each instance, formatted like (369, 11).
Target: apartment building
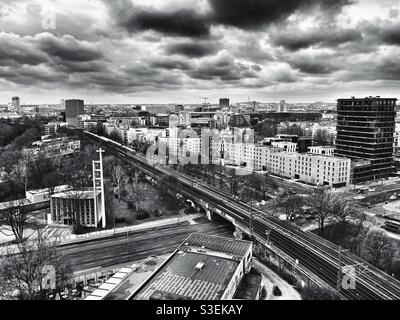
(285, 145)
(181, 147)
(52, 147)
(311, 168)
(184, 118)
(53, 127)
(315, 169)
(322, 150)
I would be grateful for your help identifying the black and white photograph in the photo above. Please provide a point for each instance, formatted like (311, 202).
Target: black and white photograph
(200, 155)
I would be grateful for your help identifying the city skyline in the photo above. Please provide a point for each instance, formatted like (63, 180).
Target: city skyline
(181, 51)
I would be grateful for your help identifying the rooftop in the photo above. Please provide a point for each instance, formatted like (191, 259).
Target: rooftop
(218, 244)
(367, 98)
(14, 203)
(180, 278)
(249, 286)
(321, 147)
(200, 269)
(76, 194)
(46, 190)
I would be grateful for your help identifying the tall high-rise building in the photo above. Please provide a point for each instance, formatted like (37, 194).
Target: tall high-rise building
(15, 103)
(365, 129)
(73, 108)
(282, 106)
(224, 103)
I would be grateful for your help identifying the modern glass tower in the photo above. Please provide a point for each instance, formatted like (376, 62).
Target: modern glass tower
(365, 129)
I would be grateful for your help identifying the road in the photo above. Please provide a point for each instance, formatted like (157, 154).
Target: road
(137, 245)
(313, 253)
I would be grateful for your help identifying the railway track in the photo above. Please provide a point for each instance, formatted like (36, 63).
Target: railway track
(314, 253)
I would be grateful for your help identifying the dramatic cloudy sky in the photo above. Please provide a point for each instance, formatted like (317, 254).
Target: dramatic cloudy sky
(167, 51)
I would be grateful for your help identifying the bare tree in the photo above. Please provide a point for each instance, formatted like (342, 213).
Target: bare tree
(344, 214)
(168, 187)
(109, 203)
(118, 174)
(322, 138)
(289, 204)
(14, 217)
(261, 184)
(115, 135)
(134, 178)
(323, 205)
(21, 269)
(326, 205)
(378, 249)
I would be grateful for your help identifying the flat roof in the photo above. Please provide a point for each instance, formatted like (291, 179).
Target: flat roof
(179, 278)
(200, 269)
(14, 203)
(249, 286)
(283, 142)
(321, 147)
(367, 98)
(218, 244)
(46, 190)
(78, 194)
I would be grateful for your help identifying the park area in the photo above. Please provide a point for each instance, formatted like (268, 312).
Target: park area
(148, 206)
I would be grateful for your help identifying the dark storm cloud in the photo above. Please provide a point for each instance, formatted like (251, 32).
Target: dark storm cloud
(133, 79)
(250, 48)
(253, 14)
(170, 64)
(381, 65)
(390, 34)
(192, 49)
(223, 67)
(183, 22)
(389, 69)
(74, 66)
(243, 14)
(68, 48)
(14, 51)
(294, 39)
(380, 32)
(284, 76)
(314, 67)
(226, 44)
(45, 59)
(31, 75)
(180, 23)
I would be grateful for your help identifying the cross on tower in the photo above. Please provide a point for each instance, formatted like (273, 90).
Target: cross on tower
(100, 151)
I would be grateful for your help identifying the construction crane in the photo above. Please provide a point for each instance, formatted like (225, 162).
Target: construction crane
(205, 100)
